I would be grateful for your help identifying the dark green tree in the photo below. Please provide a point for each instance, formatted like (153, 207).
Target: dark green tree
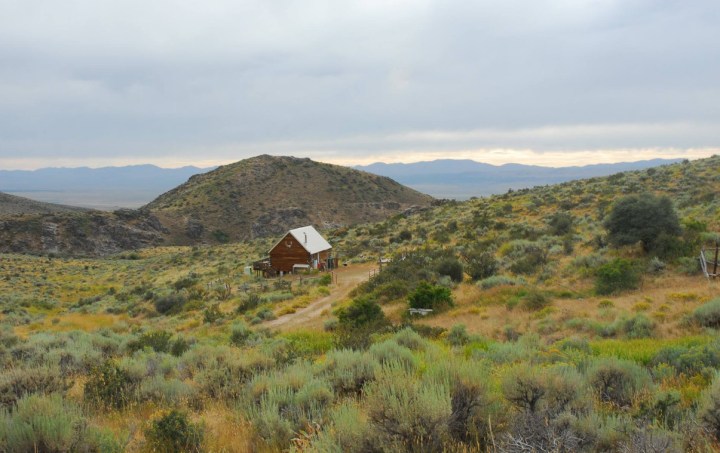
(642, 218)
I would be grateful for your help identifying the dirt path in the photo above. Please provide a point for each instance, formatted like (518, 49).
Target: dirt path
(310, 316)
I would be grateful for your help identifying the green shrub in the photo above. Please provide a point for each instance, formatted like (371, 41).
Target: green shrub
(617, 381)
(500, 280)
(158, 341)
(708, 315)
(170, 303)
(239, 334)
(642, 218)
(689, 360)
(174, 433)
(480, 264)
(16, 383)
(639, 326)
(212, 314)
(349, 371)
(560, 223)
(389, 352)
(110, 386)
(410, 339)
(524, 387)
(709, 409)
(535, 300)
(407, 415)
(325, 280)
(165, 391)
(363, 311)
(50, 424)
(615, 276)
(452, 268)
(430, 296)
(458, 335)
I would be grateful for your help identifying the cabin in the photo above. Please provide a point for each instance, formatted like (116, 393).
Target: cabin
(301, 248)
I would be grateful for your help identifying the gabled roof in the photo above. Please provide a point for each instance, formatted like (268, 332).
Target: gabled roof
(309, 238)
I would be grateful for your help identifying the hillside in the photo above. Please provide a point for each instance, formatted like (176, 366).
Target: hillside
(79, 233)
(525, 350)
(463, 179)
(265, 196)
(14, 205)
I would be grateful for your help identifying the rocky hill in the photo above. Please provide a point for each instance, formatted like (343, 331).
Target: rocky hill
(79, 232)
(266, 196)
(259, 197)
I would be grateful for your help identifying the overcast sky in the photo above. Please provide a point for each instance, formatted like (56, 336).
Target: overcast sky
(178, 82)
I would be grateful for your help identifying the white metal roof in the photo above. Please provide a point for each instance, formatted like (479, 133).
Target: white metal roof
(310, 239)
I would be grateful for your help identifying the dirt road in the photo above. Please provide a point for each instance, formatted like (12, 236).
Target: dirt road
(347, 279)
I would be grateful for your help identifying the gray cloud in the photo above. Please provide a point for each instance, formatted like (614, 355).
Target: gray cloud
(226, 79)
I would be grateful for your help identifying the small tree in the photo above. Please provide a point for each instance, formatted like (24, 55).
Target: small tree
(642, 218)
(617, 275)
(361, 312)
(452, 268)
(431, 296)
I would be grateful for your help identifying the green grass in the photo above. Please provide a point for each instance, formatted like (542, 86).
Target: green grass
(644, 349)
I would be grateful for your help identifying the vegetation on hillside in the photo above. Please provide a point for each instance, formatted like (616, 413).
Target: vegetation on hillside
(547, 333)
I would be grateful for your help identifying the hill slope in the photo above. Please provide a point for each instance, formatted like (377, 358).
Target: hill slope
(13, 205)
(265, 196)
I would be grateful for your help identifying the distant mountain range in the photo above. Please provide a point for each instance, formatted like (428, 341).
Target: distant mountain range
(104, 188)
(462, 179)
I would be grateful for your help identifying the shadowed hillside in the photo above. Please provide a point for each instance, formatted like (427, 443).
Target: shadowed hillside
(265, 196)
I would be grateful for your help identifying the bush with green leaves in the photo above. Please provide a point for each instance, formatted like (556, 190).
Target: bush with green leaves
(560, 223)
(616, 276)
(427, 295)
(690, 360)
(708, 315)
(535, 300)
(16, 382)
(40, 423)
(480, 264)
(110, 386)
(349, 371)
(407, 414)
(645, 218)
(458, 335)
(158, 341)
(617, 381)
(363, 311)
(709, 409)
(173, 432)
(452, 268)
(170, 303)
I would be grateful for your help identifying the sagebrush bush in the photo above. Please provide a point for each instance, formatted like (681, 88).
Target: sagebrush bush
(170, 303)
(349, 371)
(390, 351)
(173, 432)
(452, 268)
(615, 276)
(708, 315)
(110, 386)
(41, 423)
(458, 335)
(617, 381)
(410, 339)
(407, 415)
(15, 383)
(709, 409)
(500, 280)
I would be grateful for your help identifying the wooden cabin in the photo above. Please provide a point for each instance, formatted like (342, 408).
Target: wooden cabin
(300, 248)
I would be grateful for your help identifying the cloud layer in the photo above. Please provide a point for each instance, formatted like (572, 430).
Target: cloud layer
(180, 82)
